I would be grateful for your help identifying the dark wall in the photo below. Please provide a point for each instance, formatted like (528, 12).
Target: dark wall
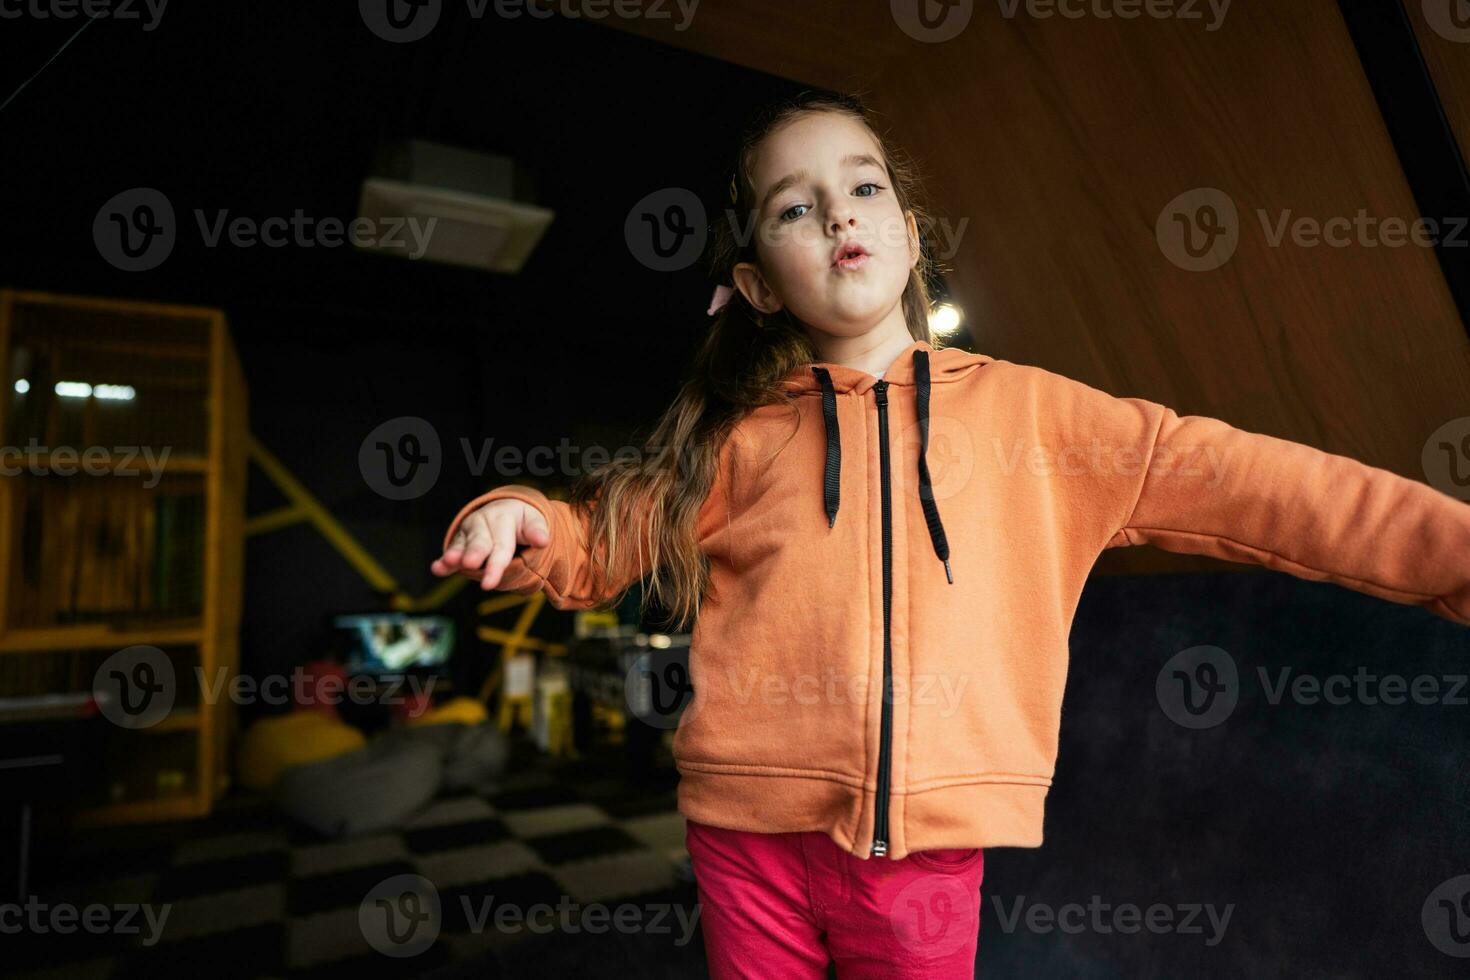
(1326, 826)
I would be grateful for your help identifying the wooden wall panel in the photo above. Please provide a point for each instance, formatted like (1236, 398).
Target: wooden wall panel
(1445, 41)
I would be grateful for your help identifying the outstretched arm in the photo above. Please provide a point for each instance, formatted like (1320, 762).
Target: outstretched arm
(1209, 488)
(542, 546)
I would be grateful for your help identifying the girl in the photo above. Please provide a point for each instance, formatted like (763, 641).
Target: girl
(885, 543)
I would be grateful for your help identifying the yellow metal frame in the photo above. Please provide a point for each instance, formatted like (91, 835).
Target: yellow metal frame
(303, 506)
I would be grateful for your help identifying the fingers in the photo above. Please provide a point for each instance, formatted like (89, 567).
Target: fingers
(502, 548)
(533, 530)
(489, 537)
(449, 562)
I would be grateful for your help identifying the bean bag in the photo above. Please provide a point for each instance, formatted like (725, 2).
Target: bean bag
(273, 745)
(372, 789)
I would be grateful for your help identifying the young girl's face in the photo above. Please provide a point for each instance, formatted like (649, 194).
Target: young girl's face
(820, 183)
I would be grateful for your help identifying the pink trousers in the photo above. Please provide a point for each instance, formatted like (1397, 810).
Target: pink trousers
(783, 905)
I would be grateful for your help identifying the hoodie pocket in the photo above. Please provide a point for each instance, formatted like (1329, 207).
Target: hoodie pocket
(947, 860)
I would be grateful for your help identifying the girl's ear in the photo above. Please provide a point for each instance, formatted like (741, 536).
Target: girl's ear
(915, 249)
(753, 286)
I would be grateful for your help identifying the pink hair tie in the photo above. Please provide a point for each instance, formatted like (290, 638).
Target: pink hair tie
(720, 298)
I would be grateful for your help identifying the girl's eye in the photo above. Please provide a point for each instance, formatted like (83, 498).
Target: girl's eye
(788, 214)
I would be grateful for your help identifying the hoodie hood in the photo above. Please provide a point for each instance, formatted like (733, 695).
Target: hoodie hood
(919, 367)
(946, 365)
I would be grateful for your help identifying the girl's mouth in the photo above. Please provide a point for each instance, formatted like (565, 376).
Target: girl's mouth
(854, 259)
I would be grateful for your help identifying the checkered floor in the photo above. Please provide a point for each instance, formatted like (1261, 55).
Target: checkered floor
(251, 895)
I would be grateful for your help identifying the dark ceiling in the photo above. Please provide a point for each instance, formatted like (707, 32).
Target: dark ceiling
(262, 109)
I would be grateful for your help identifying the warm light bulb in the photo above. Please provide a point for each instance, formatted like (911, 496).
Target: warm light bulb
(945, 319)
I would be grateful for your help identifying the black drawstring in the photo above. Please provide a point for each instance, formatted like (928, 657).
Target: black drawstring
(926, 486)
(832, 471)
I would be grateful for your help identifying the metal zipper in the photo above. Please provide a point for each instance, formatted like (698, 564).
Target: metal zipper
(885, 747)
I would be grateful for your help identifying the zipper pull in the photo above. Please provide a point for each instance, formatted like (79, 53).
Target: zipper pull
(880, 388)
(880, 848)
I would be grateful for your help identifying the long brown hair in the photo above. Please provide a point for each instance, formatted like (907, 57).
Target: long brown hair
(643, 511)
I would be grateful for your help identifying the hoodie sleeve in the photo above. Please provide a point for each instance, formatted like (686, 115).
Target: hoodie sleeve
(563, 567)
(1208, 488)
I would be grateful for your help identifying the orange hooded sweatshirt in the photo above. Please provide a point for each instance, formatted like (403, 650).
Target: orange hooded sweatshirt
(929, 534)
